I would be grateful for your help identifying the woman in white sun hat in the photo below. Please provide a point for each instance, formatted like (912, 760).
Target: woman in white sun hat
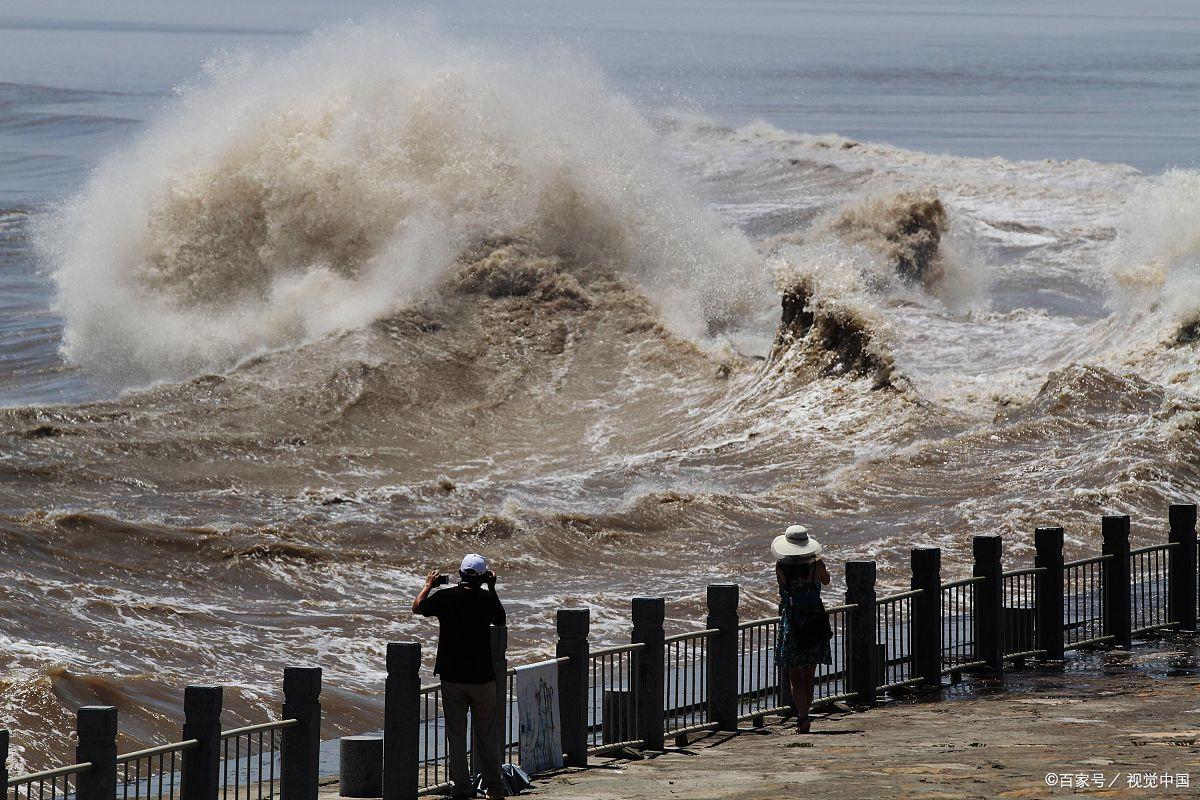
(804, 630)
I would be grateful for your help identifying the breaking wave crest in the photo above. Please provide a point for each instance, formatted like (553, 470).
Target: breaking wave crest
(1155, 264)
(904, 243)
(279, 200)
(846, 339)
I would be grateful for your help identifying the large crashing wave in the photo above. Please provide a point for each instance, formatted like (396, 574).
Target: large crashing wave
(1155, 264)
(281, 199)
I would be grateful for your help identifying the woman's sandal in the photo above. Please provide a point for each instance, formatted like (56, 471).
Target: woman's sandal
(804, 725)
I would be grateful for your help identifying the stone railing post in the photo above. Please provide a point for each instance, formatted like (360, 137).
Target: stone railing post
(573, 625)
(402, 722)
(1182, 565)
(202, 722)
(648, 616)
(988, 610)
(1048, 554)
(863, 652)
(97, 731)
(300, 747)
(1115, 580)
(927, 614)
(723, 665)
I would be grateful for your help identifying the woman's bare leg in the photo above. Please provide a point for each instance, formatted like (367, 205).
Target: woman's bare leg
(795, 684)
(807, 684)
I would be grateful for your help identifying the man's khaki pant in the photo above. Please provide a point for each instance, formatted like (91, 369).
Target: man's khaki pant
(480, 698)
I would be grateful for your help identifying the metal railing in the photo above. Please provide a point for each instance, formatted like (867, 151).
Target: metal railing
(152, 773)
(250, 760)
(760, 686)
(50, 784)
(832, 681)
(1019, 612)
(612, 698)
(1148, 587)
(959, 649)
(432, 755)
(686, 681)
(763, 689)
(893, 634)
(1083, 602)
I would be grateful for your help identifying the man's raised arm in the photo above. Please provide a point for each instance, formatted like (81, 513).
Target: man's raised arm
(430, 579)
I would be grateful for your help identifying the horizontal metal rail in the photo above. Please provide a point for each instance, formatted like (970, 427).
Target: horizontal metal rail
(704, 634)
(1093, 640)
(1025, 654)
(898, 684)
(963, 582)
(1025, 571)
(1091, 560)
(838, 609)
(702, 726)
(1152, 547)
(830, 699)
(162, 749)
(900, 596)
(262, 726)
(511, 671)
(757, 623)
(765, 712)
(968, 665)
(1158, 626)
(608, 651)
(57, 772)
(609, 747)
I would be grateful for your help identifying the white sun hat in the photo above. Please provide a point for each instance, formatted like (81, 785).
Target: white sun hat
(795, 543)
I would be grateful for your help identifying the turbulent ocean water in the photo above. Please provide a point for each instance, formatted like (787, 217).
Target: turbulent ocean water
(610, 295)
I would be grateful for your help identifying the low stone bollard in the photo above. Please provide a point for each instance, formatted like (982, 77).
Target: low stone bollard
(362, 766)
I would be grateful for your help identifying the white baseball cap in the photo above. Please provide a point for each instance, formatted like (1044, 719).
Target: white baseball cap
(474, 564)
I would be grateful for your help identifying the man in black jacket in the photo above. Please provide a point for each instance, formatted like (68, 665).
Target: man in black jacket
(465, 613)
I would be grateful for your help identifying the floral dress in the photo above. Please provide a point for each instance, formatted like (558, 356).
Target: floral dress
(799, 602)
